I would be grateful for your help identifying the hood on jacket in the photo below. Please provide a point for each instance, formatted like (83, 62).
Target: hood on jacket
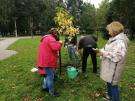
(42, 38)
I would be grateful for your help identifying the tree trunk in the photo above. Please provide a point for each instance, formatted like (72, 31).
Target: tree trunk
(31, 26)
(15, 27)
(60, 60)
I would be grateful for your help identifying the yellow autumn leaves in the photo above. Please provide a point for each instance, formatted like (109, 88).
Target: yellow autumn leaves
(65, 22)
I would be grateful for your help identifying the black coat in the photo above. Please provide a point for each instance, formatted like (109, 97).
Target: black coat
(87, 41)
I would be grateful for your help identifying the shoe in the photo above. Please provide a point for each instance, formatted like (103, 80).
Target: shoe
(106, 97)
(45, 90)
(55, 94)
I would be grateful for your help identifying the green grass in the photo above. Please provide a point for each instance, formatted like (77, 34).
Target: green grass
(18, 83)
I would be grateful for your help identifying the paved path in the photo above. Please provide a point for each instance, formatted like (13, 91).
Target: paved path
(4, 44)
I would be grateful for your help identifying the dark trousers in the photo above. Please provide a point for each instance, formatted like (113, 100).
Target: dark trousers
(86, 52)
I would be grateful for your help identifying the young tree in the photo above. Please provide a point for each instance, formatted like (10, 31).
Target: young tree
(64, 20)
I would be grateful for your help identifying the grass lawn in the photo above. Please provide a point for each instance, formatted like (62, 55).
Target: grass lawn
(18, 83)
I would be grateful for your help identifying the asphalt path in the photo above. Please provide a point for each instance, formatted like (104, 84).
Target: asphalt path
(4, 44)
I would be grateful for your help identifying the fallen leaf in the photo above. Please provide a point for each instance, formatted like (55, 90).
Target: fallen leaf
(27, 98)
(97, 94)
(39, 99)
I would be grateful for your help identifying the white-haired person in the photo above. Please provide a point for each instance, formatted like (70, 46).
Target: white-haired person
(113, 59)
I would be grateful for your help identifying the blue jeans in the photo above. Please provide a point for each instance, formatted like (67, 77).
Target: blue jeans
(49, 83)
(113, 92)
(72, 50)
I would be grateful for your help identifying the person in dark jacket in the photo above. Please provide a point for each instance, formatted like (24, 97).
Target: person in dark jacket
(87, 42)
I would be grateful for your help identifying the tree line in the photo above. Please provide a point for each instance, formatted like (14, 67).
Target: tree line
(29, 17)
(32, 17)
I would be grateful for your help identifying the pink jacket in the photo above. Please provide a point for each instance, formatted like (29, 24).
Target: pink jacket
(48, 52)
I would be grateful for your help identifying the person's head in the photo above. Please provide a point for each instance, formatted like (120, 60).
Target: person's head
(54, 32)
(115, 28)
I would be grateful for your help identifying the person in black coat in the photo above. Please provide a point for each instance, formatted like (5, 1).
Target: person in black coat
(87, 42)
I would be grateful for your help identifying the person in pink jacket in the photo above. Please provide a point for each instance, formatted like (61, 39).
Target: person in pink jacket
(47, 58)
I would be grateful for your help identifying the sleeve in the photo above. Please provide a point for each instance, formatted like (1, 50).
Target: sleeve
(55, 45)
(119, 51)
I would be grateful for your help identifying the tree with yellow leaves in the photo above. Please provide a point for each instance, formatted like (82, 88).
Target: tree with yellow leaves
(64, 20)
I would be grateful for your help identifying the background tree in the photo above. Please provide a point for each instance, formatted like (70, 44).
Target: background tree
(123, 11)
(103, 17)
(5, 11)
(88, 19)
(74, 7)
(84, 15)
(30, 15)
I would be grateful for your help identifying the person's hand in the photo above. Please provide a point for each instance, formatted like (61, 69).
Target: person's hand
(98, 51)
(60, 41)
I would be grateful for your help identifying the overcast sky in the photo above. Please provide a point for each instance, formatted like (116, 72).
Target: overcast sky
(95, 2)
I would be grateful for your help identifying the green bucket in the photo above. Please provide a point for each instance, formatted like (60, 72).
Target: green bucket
(72, 72)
